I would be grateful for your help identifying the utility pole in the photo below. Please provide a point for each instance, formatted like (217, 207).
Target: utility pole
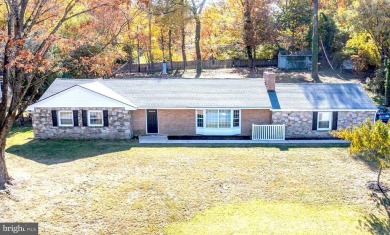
(314, 63)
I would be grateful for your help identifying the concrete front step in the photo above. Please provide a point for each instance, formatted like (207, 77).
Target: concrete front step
(152, 139)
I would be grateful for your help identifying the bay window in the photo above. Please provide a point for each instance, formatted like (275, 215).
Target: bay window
(225, 118)
(211, 118)
(217, 118)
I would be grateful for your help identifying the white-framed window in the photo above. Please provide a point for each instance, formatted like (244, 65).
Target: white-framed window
(1, 85)
(95, 118)
(211, 118)
(199, 118)
(225, 118)
(65, 118)
(324, 121)
(236, 118)
(217, 118)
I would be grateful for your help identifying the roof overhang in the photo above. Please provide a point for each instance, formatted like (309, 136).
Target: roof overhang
(80, 97)
(204, 108)
(325, 110)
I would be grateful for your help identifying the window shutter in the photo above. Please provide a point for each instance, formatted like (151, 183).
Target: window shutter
(334, 120)
(315, 120)
(84, 117)
(54, 117)
(105, 117)
(75, 118)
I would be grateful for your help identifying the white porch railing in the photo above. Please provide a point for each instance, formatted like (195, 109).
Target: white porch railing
(268, 132)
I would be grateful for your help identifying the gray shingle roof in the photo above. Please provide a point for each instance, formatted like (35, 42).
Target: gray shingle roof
(228, 93)
(304, 96)
(181, 93)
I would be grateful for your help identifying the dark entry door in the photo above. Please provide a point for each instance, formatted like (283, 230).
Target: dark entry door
(152, 124)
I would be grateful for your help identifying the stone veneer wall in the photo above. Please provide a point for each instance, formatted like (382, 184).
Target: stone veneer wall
(118, 119)
(300, 124)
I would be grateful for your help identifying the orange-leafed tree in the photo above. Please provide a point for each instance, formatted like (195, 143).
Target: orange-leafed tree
(30, 32)
(259, 26)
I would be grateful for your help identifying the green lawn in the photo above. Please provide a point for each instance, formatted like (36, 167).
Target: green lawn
(121, 187)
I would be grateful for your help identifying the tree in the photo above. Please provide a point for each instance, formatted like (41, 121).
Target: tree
(30, 32)
(369, 140)
(314, 65)
(387, 82)
(183, 17)
(258, 26)
(294, 20)
(172, 17)
(373, 17)
(196, 10)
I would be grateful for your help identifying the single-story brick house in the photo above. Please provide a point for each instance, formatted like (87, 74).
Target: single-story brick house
(123, 108)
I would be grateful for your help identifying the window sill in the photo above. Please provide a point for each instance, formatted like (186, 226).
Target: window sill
(218, 131)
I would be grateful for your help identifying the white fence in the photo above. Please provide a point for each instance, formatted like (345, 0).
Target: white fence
(268, 132)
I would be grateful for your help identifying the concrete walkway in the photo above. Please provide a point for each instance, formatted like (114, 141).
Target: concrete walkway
(164, 140)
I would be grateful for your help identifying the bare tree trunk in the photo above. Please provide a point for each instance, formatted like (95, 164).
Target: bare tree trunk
(378, 182)
(162, 43)
(387, 82)
(250, 56)
(183, 46)
(150, 40)
(197, 46)
(314, 66)
(130, 58)
(4, 176)
(248, 32)
(170, 47)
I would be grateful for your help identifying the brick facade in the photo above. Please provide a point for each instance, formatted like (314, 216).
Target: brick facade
(254, 116)
(181, 122)
(300, 124)
(138, 121)
(176, 122)
(119, 125)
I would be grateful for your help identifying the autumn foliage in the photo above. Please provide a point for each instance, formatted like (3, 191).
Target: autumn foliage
(370, 141)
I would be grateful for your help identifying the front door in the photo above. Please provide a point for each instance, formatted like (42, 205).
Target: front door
(152, 124)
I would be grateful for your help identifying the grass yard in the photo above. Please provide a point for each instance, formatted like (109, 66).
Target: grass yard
(121, 187)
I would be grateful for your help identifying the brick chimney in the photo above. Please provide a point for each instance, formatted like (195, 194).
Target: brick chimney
(269, 79)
